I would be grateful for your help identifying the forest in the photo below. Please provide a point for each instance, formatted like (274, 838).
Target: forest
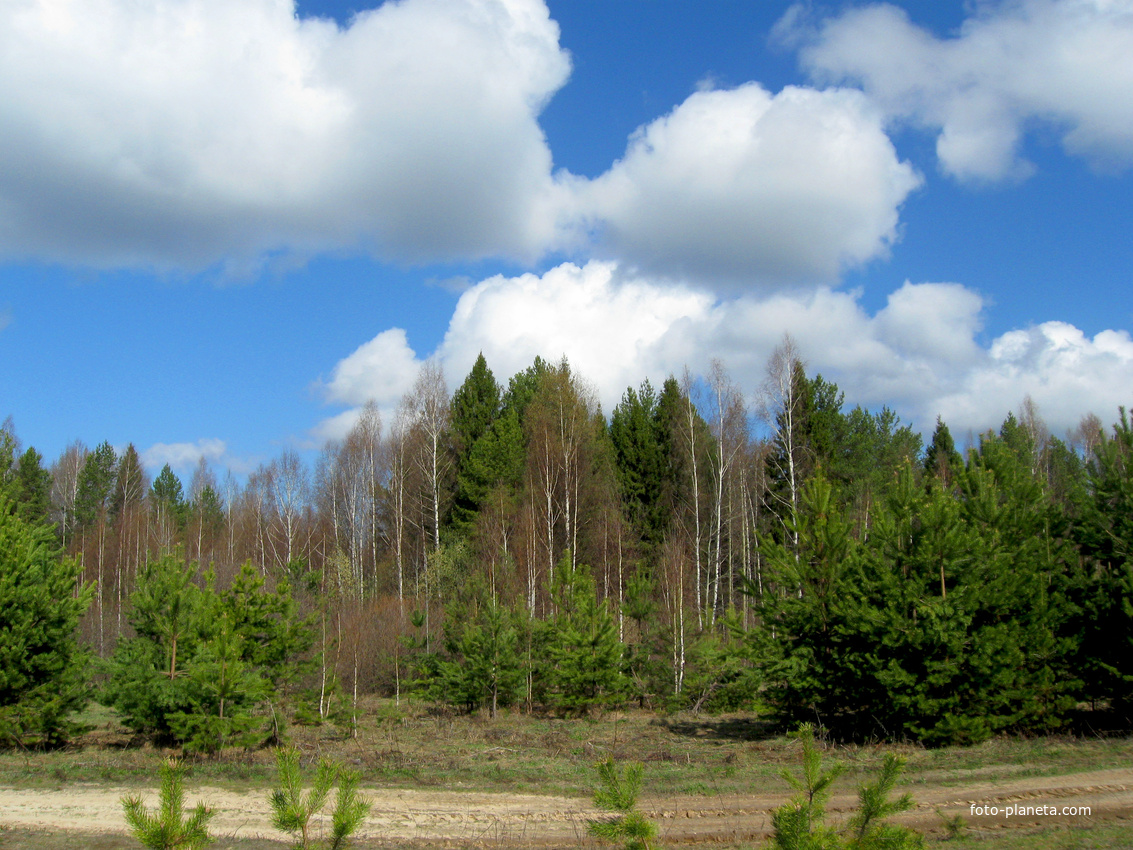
(515, 547)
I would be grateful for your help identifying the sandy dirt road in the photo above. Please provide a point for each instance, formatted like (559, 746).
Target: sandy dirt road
(516, 821)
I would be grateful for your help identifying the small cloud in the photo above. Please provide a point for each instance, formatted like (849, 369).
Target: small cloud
(6, 317)
(456, 284)
(183, 457)
(380, 370)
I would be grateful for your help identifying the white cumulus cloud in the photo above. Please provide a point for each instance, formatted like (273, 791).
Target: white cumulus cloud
(179, 133)
(1013, 65)
(191, 134)
(382, 369)
(1064, 371)
(920, 354)
(607, 325)
(747, 186)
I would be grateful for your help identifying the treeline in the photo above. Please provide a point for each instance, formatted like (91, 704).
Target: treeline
(513, 545)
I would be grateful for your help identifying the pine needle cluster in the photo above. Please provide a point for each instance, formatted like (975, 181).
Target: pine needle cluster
(798, 825)
(168, 828)
(293, 810)
(617, 792)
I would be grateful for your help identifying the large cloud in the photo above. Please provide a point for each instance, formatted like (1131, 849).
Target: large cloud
(181, 132)
(741, 185)
(1064, 63)
(920, 354)
(184, 133)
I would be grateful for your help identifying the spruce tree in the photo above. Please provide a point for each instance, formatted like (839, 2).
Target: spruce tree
(475, 407)
(641, 455)
(941, 458)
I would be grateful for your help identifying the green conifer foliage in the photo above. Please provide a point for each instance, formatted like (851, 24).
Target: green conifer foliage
(168, 828)
(941, 458)
(167, 496)
(481, 665)
(1104, 535)
(96, 481)
(222, 690)
(617, 792)
(32, 488)
(293, 810)
(582, 656)
(946, 625)
(42, 668)
(475, 407)
(799, 824)
(641, 452)
(200, 661)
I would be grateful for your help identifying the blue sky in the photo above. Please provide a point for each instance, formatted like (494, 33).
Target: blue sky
(226, 224)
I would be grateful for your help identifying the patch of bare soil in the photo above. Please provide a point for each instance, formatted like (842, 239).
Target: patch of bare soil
(446, 818)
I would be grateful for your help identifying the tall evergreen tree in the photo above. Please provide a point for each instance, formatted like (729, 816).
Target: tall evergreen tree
(941, 458)
(167, 501)
(641, 453)
(475, 406)
(475, 409)
(96, 483)
(32, 487)
(1104, 534)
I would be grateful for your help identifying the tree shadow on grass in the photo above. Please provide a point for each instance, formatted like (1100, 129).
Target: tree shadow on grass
(729, 727)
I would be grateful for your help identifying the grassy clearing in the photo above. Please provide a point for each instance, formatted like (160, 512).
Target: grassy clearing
(684, 755)
(410, 746)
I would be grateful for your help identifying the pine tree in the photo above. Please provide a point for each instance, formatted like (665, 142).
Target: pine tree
(617, 792)
(798, 825)
(199, 660)
(169, 612)
(222, 691)
(42, 668)
(582, 653)
(169, 828)
(480, 665)
(293, 811)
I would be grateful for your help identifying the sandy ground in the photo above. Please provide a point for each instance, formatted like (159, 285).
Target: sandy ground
(515, 820)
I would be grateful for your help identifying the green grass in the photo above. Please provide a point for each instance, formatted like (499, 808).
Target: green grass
(1098, 837)
(734, 754)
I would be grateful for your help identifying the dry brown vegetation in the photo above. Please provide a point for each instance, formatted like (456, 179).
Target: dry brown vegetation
(439, 779)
